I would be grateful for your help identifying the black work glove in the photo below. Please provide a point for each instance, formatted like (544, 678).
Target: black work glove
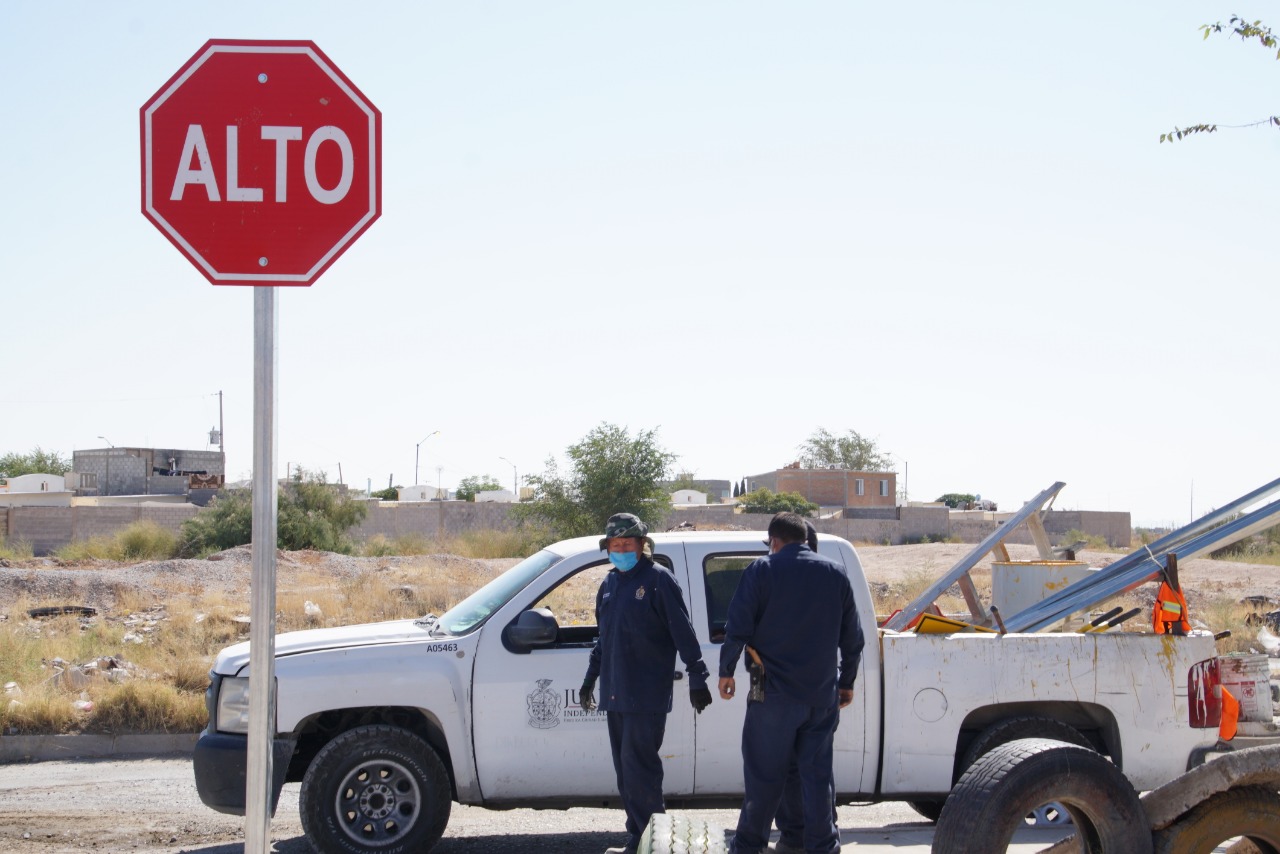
(700, 698)
(587, 696)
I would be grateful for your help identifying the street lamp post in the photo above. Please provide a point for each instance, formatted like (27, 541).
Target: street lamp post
(515, 479)
(415, 454)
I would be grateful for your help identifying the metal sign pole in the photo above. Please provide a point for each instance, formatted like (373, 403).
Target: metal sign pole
(262, 609)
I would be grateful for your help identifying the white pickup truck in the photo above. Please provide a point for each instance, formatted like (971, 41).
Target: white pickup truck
(386, 724)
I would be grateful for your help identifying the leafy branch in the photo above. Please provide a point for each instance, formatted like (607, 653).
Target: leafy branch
(1246, 31)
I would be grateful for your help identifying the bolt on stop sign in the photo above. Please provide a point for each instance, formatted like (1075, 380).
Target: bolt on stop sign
(261, 162)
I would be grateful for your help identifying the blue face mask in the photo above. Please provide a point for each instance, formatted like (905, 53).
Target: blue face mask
(625, 561)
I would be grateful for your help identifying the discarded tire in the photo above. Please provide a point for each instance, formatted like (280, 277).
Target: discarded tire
(1248, 811)
(676, 834)
(1029, 726)
(375, 788)
(997, 792)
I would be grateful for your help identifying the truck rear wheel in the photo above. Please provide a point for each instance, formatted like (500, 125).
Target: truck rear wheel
(1252, 812)
(1003, 732)
(676, 834)
(929, 809)
(372, 789)
(995, 795)
(1012, 729)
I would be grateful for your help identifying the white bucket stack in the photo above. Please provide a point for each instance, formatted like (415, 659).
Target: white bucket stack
(1248, 678)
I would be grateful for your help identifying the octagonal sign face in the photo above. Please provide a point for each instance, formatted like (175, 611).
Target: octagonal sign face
(261, 162)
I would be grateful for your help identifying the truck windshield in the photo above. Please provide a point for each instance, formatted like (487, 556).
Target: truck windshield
(471, 612)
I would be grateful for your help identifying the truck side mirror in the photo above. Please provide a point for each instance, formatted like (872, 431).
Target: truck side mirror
(533, 628)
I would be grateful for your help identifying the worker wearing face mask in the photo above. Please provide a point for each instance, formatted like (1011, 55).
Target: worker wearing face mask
(643, 623)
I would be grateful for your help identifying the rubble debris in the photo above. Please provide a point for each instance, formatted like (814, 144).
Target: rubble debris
(1269, 620)
(59, 610)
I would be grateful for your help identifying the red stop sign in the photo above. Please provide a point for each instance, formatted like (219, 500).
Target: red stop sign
(261, 162)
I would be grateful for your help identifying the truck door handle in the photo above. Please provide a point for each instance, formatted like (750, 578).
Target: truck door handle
(677, 676)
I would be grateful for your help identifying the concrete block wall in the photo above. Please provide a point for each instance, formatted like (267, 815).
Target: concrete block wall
(432, 518)
(43, 528)
(212, 462)
(1114, 526)
(90, 522)
(169, 516)
(47, 529)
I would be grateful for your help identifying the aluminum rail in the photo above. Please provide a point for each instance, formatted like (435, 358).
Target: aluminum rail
(969, 561)
(1143, 568)
(1173, 542)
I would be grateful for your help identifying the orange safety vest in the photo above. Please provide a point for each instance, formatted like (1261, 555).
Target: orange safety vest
(1230, 714)
(1170, 610)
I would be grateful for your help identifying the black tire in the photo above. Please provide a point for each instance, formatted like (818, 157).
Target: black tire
(375, 789)
(997, 792)
(1249, 811)
(929, 809)
(677, 834)
(1004, 732)
(1030, 726)
(1013, 729)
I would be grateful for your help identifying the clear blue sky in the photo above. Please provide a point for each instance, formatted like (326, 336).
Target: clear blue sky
(951, 229)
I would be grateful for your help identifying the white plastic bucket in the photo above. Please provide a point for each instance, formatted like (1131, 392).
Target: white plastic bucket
(1248, 678)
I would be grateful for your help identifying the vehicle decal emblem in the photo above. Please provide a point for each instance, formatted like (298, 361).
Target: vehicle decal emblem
(640, 592)
(544, 706)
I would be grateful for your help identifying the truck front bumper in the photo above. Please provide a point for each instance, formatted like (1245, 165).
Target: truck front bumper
(219, 762)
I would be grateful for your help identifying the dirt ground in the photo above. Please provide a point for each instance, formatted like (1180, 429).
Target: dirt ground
(891, 571)
(1202, 579)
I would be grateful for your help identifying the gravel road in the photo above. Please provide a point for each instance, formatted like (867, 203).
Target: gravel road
(151, 805)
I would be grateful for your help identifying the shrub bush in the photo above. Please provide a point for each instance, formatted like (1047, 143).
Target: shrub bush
(312, 514)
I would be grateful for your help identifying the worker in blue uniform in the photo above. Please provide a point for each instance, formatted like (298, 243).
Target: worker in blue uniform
(643, 623)
(790, 817)
(795, 608)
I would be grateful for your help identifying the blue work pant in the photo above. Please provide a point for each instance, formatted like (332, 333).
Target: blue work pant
(635, 740)
(778, 733)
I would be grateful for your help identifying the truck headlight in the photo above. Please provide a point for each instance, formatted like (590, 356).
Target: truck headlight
(233, 705)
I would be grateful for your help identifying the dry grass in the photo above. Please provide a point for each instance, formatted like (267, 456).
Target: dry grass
(139, 541)
(1225, 613)
(473, 544)
(15, 550)
(166, 644)
(891, 597)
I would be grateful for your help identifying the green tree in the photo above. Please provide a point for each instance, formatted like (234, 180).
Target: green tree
(226, 523)
(38, 461)
(765, 500)
(391, 493)
(956, 500)
(609, 472)
(851, 451)
(685, 480)
(311, 514)
(469, 486)
(1246, 31)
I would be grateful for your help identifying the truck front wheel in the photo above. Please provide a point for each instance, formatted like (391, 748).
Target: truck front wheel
(375, 789)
